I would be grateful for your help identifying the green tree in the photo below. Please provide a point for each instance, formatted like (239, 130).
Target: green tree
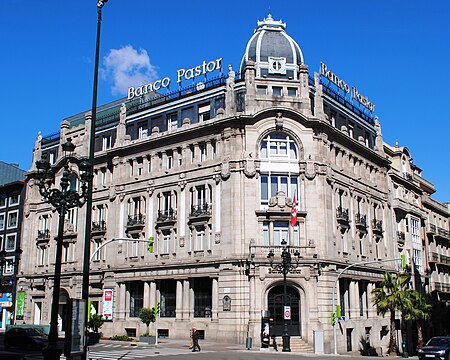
(419, 311)
(95, 322)
(148, 315)
(393, 294)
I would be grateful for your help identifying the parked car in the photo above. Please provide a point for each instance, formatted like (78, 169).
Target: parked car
(29, 338)
(436, 348)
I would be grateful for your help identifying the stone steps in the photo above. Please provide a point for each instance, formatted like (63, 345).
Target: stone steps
(297, 345)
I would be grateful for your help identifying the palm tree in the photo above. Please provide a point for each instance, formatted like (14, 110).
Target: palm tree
(392, 294)
(419, 312)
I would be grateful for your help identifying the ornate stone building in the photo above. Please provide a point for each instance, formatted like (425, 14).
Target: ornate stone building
(208, 175)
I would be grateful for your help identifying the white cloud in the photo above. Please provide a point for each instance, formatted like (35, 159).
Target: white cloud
(127, 67)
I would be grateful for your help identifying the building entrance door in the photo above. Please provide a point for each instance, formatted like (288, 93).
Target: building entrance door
(276, 309)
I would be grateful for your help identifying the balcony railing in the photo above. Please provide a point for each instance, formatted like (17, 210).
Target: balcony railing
(431, 229)
(442, 287)
(200, 210)
(43, 234)
(138, 219)
(260, 252)
(377, 225)
(166, 215)
(360, 220)
(443, 233)
(342, 214)
(98, 226)
(433, 257)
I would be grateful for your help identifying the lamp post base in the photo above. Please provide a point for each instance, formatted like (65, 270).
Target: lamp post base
(286, 343)
(51, 352)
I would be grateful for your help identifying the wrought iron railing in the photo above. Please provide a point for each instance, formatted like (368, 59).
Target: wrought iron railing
(342, 214)
(200, 209)
(166, 215)
(99, 225)
(138, 219)
(43, 234)
(377, 225)
(361, 220)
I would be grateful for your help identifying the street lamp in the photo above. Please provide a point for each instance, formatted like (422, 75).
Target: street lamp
(285, 267)
(87, 233)
(62, 199)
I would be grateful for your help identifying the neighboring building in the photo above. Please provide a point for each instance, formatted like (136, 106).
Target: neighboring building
(12, 191)
(209, 173)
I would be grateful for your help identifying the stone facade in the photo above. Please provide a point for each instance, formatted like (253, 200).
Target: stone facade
(209, 178)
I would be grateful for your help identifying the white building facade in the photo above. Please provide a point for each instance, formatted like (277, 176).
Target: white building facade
(209, 174)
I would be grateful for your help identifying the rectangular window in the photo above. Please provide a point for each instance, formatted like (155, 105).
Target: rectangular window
(280, 232)
(343, 295)
(277, 90)
(289, 185)
(265, 233)
(142, 131)
(2, 202)
(9, 266)
(168, 293)
(172, 121)
(351, 127)
(106, 142)
(169, 161)
(202, 297)
(261, 89)
(165, 242)
(10, 242)
(14, 200)
(136, 291)
(2, 221)
(199, 238)
(203, 152)
(133, 248)
(213, 149)
(13, 218)
(292, 91)
(204, 112)
(42, 255)
(97, 250)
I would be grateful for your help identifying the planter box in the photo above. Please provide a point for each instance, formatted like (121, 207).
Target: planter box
(148, 339)
(93, 338)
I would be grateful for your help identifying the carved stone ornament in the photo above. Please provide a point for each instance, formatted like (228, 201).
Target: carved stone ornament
(226, 303)
(112, 193)
(279, 121)
(182, 184)
(217, 238)
(280, 202)
(310, 171)
(249, 169)
(225, 171)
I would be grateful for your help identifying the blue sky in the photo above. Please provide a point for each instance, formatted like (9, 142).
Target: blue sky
(397, 52)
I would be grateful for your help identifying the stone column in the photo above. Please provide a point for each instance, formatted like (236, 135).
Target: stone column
(215, 300)
(152, 294)
(146, 294)
(186, 302)
(122, 308)
(179, 300)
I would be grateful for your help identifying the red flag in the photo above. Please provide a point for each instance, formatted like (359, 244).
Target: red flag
(294, 213)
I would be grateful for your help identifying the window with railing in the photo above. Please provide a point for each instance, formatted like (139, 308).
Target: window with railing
(167, 202)
(271, 185)
(136, 211)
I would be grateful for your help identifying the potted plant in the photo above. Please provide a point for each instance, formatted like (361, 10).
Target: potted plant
(148, 316)
(95, 322)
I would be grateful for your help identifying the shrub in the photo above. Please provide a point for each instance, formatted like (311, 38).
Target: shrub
(95, 322)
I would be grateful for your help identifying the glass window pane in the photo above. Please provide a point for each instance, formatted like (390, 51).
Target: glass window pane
(294, 188)
(264, 189)
(273, 185)
(265, 234)
(284, 185)
(263, 150)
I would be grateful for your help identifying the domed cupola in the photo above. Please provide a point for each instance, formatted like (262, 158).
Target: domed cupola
(275, 53)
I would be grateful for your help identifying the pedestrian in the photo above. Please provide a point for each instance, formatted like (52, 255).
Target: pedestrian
(195, 336)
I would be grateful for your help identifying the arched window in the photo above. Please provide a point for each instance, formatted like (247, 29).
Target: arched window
(278, 146)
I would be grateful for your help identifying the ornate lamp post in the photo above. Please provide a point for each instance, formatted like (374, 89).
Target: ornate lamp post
(62, 199)
(285, 267)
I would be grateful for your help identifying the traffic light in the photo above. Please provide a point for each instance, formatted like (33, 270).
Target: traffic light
(333, 318)
(151, 241)
(155, 310)
(338, 311)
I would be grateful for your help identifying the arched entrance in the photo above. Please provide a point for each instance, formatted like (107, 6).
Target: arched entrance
(276, 308)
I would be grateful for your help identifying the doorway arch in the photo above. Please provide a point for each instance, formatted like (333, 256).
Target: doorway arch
(276, 305)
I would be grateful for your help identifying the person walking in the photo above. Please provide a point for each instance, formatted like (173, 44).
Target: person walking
(195, 336)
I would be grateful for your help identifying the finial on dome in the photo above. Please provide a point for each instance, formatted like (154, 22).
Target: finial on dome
(270, 23)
